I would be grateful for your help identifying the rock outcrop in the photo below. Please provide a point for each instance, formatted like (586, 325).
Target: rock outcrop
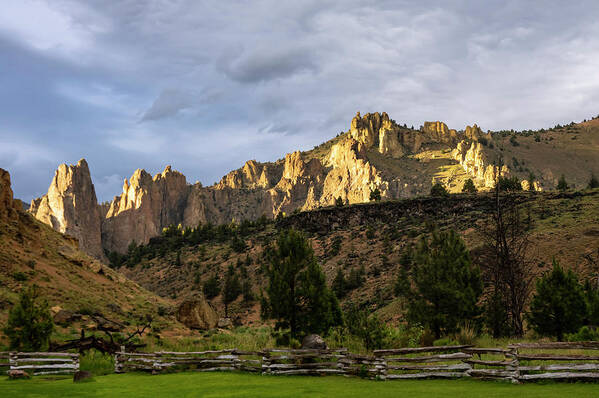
(145, 207)
(376, 153)
(7, 203)
(197, 314)
(71, 207)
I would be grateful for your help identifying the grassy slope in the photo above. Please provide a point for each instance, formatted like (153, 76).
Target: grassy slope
(247, 385)
(566, 227)
(68, 278)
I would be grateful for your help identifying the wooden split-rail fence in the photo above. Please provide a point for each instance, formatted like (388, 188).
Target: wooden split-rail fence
(40, 363)
(516, 363)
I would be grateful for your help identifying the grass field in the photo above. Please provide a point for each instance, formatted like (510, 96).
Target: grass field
(248, 385)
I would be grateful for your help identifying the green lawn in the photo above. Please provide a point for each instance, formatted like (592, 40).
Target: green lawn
(248, 385)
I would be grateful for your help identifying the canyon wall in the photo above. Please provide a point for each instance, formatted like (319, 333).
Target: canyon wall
(299, 181)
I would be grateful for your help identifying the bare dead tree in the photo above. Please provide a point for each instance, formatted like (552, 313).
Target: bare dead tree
(505, 259)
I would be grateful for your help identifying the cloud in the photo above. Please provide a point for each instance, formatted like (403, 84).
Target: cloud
(169, 103)
(264, 64)
(208, 85)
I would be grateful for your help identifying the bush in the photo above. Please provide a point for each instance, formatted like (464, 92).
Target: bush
(339, 202)
(562, 184)
(593, 182)
(211, 287)
(469, 186)
(585, 333)
(29, 324)
(375, 195)
(508, 184)
(439, 190)
(558, 306)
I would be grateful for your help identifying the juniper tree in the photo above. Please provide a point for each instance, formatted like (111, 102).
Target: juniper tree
(558, 305)
(231, 288)
(29, 324)
(297, 295)
(469, 186)
(439, 190)
(446, 284)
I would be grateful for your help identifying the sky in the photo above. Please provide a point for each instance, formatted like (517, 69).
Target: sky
(206, 85)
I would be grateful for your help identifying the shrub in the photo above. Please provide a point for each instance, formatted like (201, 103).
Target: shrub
(339, 202)
(585, 333)
(593, 182)
(29, 324)
(439, 190)
(562, 184)
(508, 184)
(211, 287)
(469, 186)
(375, 195)
(558, 306)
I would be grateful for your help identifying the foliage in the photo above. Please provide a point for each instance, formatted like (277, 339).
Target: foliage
(375, 195)
(591, 294)
(469, 186)
(593, 182)
(446, 285)
(508, 184)
(439, 190)
(339, 202)
(211, 287)
(231, 288)
(558, 305)
(585, 333)
(496, 315)
(562, 184)
(298, 297)
(175, 237)
(365, 326)
(29, 324)
(402, 283)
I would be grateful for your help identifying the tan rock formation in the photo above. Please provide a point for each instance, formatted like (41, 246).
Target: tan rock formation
(472, 157)
(8, 205)
(197, 314)
(146, 206)
(71, 207)
(439, 132)
(252, 175)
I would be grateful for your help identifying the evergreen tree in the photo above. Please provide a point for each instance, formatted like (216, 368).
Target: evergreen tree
(592, 300)
(531, 181)
(339, 202)
(508, 184)
(246, 290)
(496, 315)
(29, 324)
(231, 288)
(298, 297)
(439, 190)
(339, 285)
(446, 285)
(211, 287)
(558, 306)
(402, 284)
(562, 184)
(375, 195)
(469, 186)
(593, 182)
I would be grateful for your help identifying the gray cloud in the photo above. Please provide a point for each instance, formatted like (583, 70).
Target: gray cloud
(168, 103)
(208, 85)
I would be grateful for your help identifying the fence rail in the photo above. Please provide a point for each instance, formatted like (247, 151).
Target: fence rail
(514, 364)
(40, 363)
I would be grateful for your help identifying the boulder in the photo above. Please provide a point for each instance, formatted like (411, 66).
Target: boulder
(225, 323)
(197, 314)
(314, 342)
(14, 374)
(82, 375)
(64, 317)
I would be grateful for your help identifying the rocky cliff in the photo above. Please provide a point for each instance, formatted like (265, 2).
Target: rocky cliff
(71, 207)
(375, 153)
(8, 205)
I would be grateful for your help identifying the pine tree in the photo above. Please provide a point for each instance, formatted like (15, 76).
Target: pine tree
(375, 195)
(469, 186)
(593, 182)
(558, 306)
(298, 297)
(446, 285)
(231, 288)
(29, 324)
(439, 190)
(562, 184)
(339, 285)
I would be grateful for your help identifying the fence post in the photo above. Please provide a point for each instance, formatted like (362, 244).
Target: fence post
(12, 360)
(515, 367)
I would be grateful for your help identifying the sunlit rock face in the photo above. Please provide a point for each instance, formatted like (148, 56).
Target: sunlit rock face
(71, 207)
(8, 205)
(375, 153)
(145, 206)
